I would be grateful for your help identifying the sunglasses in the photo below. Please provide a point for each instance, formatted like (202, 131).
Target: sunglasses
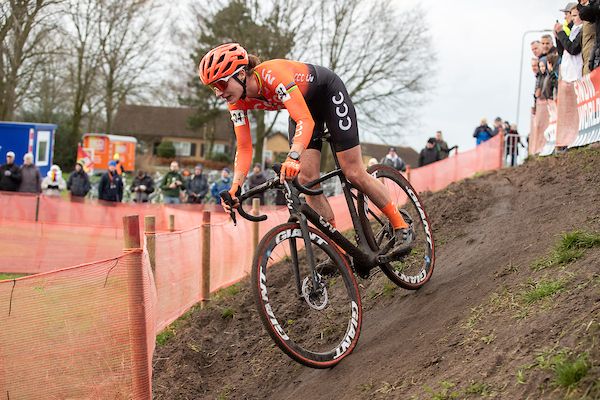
(222, 83)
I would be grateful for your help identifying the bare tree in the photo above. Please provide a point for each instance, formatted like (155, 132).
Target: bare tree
(84, 53)
(380, 51)
(127, 31)
(24, 25)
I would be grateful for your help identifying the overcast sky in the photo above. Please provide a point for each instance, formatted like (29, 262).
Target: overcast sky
(478, 45)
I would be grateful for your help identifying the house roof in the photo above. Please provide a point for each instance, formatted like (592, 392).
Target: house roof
(149, 121)
(378, 151)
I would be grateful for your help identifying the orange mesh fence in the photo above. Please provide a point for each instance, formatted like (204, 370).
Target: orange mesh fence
(20, 207)
(567, 121)
(34, 247)
(85, 332)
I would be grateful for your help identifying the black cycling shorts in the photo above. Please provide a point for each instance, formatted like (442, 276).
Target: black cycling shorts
(331, 107)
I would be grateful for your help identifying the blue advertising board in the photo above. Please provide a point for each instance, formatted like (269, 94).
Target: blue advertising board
(24, 137)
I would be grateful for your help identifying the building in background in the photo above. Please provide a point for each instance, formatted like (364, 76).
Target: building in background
(25, 137)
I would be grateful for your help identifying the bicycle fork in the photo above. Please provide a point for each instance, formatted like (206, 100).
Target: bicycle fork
(311, 290)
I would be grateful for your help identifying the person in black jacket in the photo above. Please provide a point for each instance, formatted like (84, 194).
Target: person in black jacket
(196, 186)
(590, 11)
(10, 174)
(257, 178)
(111, 184)
(429, 154)
(141, 187)
(79, 182)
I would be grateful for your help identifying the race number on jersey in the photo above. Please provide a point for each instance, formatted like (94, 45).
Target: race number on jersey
(238, 117)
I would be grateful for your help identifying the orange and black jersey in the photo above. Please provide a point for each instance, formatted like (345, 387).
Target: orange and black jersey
(314, 96)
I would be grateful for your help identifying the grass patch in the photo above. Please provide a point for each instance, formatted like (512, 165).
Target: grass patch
(388, 289)
(228, 313)
(171, 330)
(225, 293)
(570, 247)
(541, 290)
(11, 276)
(568, 373)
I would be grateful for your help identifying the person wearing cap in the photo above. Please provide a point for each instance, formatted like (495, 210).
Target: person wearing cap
(497, 126)
(141, 187)
(196, 186)
(222, 184)
(589, 12)
(111, 184)
(257, 178)
(172, 184)
(79, 181)
(568, 22)
(391, 159)
(31, 179)
(53, 184)
(119, 166)
(10, 174)
(483, 132)
(571, 66)
(429, 154)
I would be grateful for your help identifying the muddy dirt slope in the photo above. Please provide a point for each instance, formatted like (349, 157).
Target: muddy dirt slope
(502, 317)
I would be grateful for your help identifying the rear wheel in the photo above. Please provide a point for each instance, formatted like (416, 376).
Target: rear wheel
(316, 325)
(413, 270)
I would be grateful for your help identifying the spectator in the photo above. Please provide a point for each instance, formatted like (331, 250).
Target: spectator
(550, 81)
(141, 187)
(547, 47)
(111, 184)
(512, 141)
(222, 184)
(536, 48)
(10, 174)
(590, 11)
(172, 184)
(497, 126)
(372, 162)
(429, 154)
(572, 61)
(79, 182)
(196, 186)
(31, 179)
(54, 183)
(442, 146)
(257, 178)
(536, 71)
(568, 22)
(391, 159)
(119, 167)
(482, 132)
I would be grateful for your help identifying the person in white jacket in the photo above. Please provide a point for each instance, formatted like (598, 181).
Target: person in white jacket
(54, 183)
(571, 67)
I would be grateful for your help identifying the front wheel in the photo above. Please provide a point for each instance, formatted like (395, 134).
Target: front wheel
(413, 270)
(316, 324)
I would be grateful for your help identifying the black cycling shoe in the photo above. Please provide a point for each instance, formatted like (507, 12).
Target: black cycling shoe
(403, 243)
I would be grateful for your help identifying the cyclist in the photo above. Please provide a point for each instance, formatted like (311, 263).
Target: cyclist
(314, 96)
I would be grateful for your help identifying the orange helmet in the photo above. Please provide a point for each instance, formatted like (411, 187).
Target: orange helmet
(222, 62)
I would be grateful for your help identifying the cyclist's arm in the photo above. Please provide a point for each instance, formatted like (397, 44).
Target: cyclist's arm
(243, 154)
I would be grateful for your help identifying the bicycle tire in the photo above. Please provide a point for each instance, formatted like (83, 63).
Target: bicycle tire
(315, 338)
(413, 270)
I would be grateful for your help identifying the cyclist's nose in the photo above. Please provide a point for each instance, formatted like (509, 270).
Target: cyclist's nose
(218, 92)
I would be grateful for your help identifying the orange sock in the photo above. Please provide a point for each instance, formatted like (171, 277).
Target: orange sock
(332, 222)
(391, 211)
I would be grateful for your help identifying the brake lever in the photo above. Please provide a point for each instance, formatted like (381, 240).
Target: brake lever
(226, 196)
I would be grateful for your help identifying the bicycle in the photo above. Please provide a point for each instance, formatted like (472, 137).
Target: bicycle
(314, 317)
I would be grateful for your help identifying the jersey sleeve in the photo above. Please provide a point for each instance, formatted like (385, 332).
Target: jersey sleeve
(288, 93)
(241, 126)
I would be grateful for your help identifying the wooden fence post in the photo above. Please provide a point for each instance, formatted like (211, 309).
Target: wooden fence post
(150, 232)
(37, 208)
(137, 306)
(205, 237)
(255, 211)
(171, 223)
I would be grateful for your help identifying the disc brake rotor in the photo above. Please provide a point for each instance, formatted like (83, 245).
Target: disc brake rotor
(317, 299)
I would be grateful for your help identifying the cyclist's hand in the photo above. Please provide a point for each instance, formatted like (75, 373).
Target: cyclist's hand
(235, 191)
(289, 170)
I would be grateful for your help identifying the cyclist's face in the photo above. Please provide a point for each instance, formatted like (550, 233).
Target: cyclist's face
(232, 91)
